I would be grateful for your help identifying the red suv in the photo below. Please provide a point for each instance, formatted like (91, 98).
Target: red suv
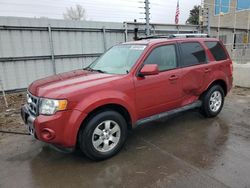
(132, 83)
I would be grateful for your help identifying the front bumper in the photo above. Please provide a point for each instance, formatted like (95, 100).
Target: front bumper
(60, 129)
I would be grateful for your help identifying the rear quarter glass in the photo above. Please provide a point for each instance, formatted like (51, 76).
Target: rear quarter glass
(217, 50)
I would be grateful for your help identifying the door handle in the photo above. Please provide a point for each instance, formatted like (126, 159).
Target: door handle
(207, 70)
(173, 77)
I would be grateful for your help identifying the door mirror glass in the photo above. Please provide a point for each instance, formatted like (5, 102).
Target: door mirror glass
(149, 69)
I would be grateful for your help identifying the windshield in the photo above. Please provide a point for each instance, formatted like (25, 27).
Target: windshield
(118, 59)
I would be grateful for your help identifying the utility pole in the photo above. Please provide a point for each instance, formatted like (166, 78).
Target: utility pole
(206, 18)
(147, 16)
(208, 21)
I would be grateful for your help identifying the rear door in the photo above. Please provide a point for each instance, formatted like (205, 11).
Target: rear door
(195, 70)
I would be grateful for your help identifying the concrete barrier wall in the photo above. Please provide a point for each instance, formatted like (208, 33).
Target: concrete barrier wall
(242, 75)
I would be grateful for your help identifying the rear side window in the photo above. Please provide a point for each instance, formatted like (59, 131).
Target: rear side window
(217, 50)
(192, 53)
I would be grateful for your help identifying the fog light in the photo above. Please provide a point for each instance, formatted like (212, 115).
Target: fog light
(47, 134)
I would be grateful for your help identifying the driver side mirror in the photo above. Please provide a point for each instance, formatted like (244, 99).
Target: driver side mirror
(149, 69)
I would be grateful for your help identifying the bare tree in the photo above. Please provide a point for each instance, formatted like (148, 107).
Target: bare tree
(75, 13)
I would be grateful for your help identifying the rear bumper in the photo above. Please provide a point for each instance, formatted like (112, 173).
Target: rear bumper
(60, 129)
(230, 84)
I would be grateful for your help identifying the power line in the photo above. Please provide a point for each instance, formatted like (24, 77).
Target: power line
(60, 6)
(34, 14)
(95, 9)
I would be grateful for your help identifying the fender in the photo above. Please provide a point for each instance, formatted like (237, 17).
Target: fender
(98, 99)
(218, 75)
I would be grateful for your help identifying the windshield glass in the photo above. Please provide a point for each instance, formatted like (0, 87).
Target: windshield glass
(118, 59)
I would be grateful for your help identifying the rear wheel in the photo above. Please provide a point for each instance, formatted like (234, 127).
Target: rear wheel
(212, 101)
(103, 136)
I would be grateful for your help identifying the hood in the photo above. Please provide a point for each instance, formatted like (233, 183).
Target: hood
(58, 86)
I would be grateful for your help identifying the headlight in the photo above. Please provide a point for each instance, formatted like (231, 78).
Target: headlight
(51, 106)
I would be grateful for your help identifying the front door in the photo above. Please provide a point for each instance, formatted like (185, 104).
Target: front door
(162, 92)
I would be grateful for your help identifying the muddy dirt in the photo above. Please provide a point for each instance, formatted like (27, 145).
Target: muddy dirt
(10, 119)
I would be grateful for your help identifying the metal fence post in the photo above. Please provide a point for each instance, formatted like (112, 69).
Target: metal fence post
(52, 49)
(154, 33)
(126, 31)
(104, 38)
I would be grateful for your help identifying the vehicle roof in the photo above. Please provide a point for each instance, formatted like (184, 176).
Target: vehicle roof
(163, 40)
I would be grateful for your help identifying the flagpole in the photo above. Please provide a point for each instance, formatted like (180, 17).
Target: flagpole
(177, 13)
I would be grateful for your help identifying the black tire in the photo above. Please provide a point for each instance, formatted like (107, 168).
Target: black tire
(86, 134)
(206, 109)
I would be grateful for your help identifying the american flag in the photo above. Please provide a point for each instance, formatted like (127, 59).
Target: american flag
(177, 13)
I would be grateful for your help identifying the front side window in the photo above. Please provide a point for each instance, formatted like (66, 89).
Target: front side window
(164, 57)
(118, 59)
(217, 50)
(222, 6)
(192, 53)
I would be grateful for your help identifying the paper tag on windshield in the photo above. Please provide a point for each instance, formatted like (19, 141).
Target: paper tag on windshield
(137, 47)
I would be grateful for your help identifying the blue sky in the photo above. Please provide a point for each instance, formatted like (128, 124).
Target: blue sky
(162, 11)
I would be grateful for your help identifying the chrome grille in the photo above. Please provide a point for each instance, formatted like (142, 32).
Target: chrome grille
(33, 103)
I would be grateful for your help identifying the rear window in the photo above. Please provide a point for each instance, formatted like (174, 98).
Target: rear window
(192, 54)
(217, 50)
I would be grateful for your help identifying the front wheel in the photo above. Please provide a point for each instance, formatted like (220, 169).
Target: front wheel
(212, 101)
(103, 136)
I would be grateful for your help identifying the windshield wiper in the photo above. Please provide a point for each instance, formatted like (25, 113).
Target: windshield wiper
(98, 70)
(86, 68)
(92, 70)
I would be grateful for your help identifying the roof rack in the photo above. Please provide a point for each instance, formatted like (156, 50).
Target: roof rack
(184, 35)
(191, 35)
(154, 37)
